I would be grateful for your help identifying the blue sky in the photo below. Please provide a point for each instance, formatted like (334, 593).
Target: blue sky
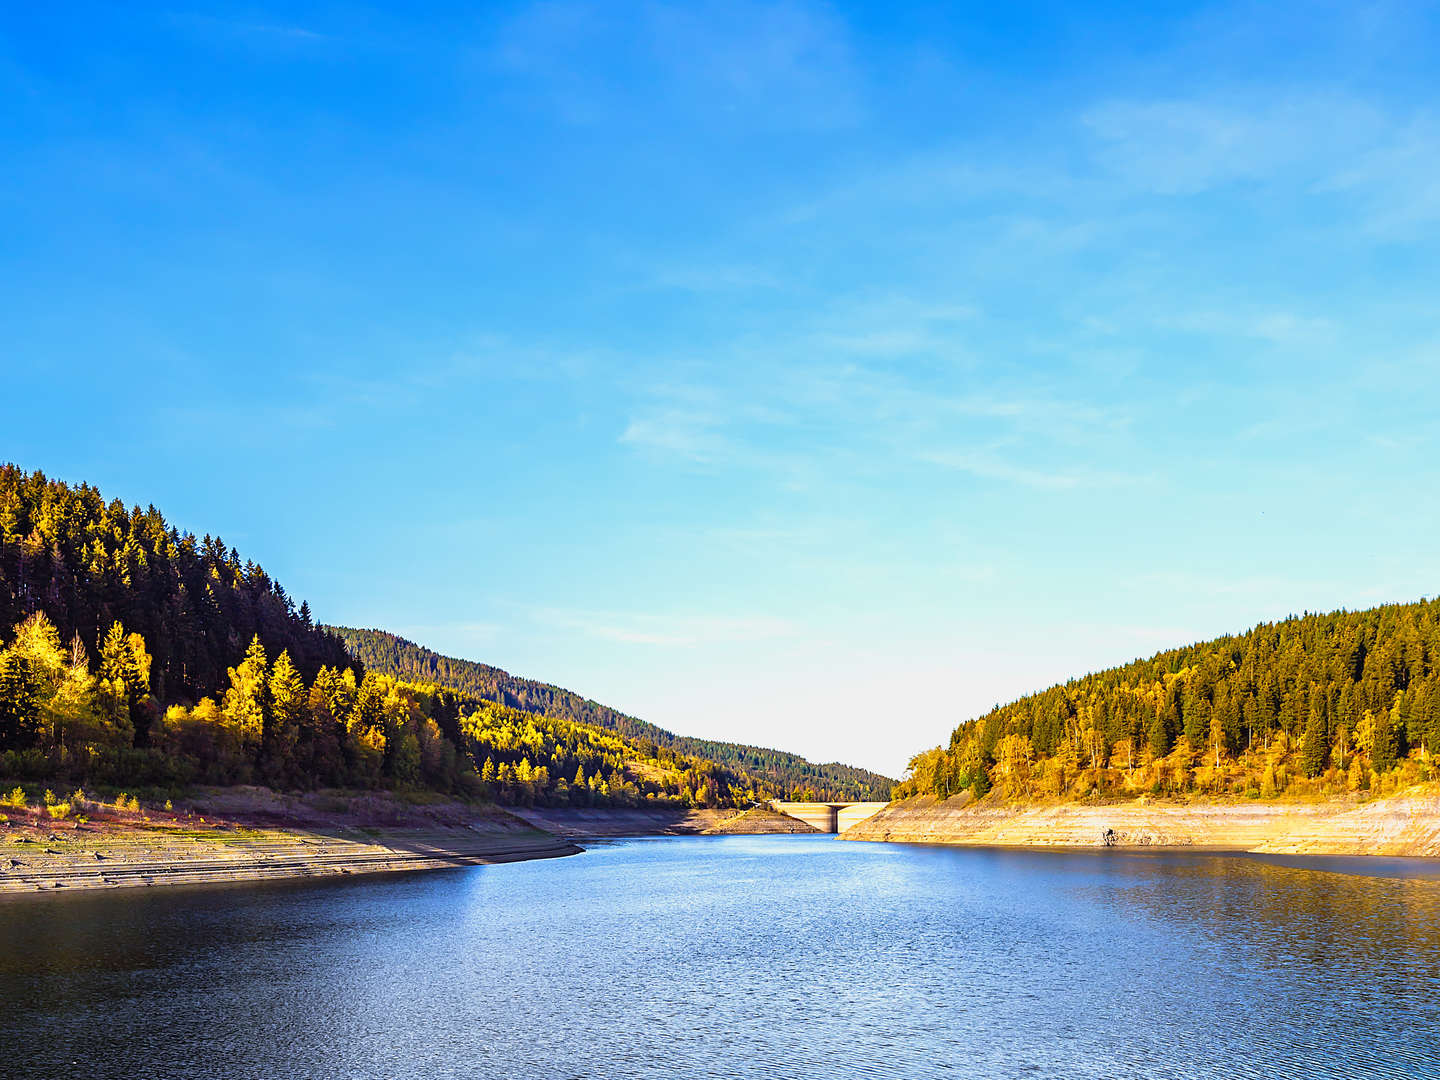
(812, 375)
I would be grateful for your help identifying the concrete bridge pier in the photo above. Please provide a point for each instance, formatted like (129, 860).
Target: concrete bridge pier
(829, 817)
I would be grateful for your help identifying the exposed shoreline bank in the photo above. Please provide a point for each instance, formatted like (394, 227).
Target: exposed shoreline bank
(1406, 824)
(271, 856)
(251, 834)
(596, 823)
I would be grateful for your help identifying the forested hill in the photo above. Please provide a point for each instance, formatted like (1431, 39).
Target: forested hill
(1312, 706)
(133, 654)
(772, 771)
(87, 564)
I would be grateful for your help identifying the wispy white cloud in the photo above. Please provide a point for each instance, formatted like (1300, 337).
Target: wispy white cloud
(844, 421)
(1399, 180)
(249, 31)
(681, 432)
(1286, 328)
(991, 466)
(1301, 143)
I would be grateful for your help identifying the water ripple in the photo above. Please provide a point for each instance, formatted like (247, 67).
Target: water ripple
(742, 957)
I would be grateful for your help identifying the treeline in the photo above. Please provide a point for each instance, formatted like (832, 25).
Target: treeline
(62, 720)
(1313, 705)
(526, 757)
(774, 773)
(88, 564)
(143, 655)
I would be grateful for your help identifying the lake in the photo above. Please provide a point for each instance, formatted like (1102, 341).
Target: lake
(742, 957)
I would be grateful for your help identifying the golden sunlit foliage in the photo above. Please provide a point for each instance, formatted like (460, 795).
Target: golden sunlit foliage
(89, 564)
(268, 726)
(773, 773)
(1315, 705)
(141, 656)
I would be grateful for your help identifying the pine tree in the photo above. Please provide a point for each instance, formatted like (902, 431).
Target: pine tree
(124, 684)
(1384, 740)
(286, 716)
(20, 700)
(1159, 736)
(1315, 747)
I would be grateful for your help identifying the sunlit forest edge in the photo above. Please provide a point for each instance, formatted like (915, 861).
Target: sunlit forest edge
(1311, 707)
(139, 656)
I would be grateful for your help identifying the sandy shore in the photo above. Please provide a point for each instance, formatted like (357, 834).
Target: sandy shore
(1406, 824)
(379, 835)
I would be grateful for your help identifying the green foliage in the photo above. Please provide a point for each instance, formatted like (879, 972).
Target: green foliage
(1315, 746)
(333, 732)
(1335, 698)
(90, 564)
(20, 701)
(771, 772)
(156, 617)
(525, 758)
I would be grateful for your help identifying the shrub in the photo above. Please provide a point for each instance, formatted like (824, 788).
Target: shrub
(16, 799)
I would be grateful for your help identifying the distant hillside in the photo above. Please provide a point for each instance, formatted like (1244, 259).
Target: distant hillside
(1316, 705)
(771, 771)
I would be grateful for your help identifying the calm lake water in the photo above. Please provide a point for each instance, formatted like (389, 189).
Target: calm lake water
(740, 957)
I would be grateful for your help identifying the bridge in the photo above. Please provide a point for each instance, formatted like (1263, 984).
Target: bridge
(833, 817)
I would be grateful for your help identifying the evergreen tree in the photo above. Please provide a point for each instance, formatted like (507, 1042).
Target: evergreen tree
(1384, 742)
(20, 700)
(1315, 747)
(1159, 736)
(125, 683)
(289, 705)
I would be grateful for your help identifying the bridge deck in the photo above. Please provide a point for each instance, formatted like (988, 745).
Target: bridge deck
(833, 817)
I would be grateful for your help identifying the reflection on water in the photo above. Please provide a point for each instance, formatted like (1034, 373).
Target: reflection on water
(741, 957)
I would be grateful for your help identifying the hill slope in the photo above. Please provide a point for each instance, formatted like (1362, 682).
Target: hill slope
(134, 654)
(771, 772)
(1312, 706)
(87, 563)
